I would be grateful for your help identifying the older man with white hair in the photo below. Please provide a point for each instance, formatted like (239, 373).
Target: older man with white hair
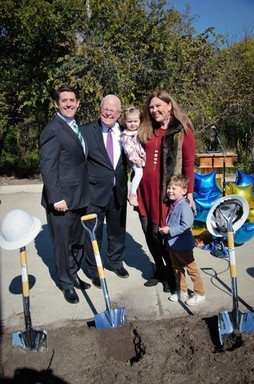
(107, 170)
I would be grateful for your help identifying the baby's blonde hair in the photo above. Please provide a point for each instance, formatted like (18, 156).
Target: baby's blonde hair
(132, 109)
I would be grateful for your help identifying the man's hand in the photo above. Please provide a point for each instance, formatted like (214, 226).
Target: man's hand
(61, 206)
(164, 230)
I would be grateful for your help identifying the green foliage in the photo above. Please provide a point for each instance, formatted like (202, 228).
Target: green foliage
(126, 47)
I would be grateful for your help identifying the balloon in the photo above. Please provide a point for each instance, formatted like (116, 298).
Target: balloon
(244, 191)
(219, 183)
(198, 228)
(198, 232)
(203, 206)
(208, 189)
(201, 213)
(228, 189)
(251, 215)
(207, 202)
(245, 233)
(205, 184)
(243, 179)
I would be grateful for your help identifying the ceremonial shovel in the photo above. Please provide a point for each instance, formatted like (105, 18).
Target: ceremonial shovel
(18, 229)
(33, 339)
(226, 216)
(112, 317)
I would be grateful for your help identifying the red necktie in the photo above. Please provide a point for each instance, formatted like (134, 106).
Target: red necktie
(172, 206)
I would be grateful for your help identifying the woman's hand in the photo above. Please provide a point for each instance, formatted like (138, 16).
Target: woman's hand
(191, 202)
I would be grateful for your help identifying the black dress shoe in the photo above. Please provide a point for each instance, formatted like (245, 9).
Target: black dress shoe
(152, 282)
(80, 284)
(166, 287)
(71, 296)
(120, 272)
(96, 282)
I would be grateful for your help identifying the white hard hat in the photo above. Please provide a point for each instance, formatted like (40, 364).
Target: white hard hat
(18, 229)
(237, 206)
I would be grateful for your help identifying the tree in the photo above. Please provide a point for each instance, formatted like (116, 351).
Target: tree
(33, 37)
(237, 98)
(126, 47)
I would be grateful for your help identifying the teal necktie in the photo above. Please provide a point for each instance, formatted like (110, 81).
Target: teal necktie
(77, 130)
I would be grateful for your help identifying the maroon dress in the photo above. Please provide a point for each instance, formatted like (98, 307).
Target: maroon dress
(149, 192)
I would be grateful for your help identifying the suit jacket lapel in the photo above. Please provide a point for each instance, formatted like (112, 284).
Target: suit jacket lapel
(70, 132)
(99, 139)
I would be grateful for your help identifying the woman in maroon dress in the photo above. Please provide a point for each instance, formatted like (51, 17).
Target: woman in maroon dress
(167, 136)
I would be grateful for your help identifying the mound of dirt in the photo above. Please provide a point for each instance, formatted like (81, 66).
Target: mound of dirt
(180, 350)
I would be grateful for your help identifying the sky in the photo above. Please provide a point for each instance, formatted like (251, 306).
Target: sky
(232, 18)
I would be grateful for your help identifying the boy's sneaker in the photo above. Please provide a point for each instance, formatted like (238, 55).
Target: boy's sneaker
(179, 296)
(133, 200)
(196, 299)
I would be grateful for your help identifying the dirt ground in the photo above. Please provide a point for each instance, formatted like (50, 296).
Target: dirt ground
(170, 351)
(180, 350)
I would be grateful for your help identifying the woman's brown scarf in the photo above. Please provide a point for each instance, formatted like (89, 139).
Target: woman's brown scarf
(171, 154)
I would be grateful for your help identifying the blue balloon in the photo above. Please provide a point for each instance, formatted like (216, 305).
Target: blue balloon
(207, 202)
(243, 179)
(203, 206)
(206, 192)
(205, 184)
(201, 213)
(245, 233)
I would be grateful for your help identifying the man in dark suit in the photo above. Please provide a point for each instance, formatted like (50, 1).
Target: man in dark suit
(108, 185)
(65, 196)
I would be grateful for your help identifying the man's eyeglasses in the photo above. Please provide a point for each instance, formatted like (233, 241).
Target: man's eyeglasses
(109, 111)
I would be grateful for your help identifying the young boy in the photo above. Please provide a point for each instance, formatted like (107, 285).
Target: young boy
(180, 242)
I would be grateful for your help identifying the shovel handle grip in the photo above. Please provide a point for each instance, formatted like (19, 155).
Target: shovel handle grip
(89, 217)
(24, 272)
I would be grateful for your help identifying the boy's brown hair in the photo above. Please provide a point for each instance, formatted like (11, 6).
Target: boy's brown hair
(180, 180)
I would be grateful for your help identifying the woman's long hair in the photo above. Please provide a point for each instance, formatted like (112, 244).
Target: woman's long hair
(149, 124)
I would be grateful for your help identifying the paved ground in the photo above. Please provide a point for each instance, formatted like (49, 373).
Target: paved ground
(48, 306)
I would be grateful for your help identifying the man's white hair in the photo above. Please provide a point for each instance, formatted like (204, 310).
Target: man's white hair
(113, 98)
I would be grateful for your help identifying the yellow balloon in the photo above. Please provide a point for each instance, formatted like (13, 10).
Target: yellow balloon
(219, 182)
(228, 189)
(251, 215)
(198, 231)
(244, 191)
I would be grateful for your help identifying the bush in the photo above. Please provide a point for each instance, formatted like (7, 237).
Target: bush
(25, 167)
